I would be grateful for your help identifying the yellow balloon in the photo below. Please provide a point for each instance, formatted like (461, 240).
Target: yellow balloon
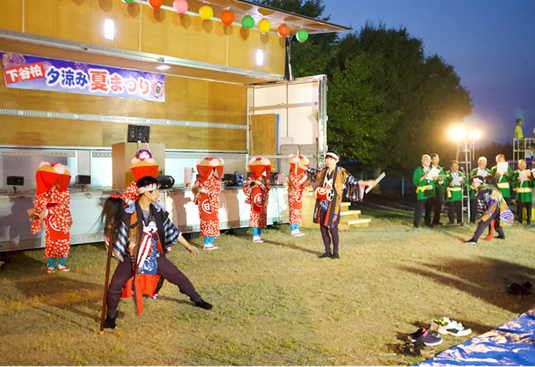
(206, 12)
(264, 25)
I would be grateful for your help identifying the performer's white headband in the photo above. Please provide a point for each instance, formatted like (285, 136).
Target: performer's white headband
(332, 155)
(150, 187)
(475, 179)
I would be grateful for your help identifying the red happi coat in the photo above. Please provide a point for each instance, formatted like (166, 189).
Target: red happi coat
(209, 205)
(258, 218)
(295, 195)
(58, 221)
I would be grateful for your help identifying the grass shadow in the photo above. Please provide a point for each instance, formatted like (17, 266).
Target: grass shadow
(484, 277)
(169, 299)
(293, 247)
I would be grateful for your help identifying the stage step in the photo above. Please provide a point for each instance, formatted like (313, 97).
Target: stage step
(348, 223)
(350, 212)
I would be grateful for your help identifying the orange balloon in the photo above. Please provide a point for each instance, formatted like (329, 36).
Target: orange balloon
(155, 4)
(227, 17)
(284, 30)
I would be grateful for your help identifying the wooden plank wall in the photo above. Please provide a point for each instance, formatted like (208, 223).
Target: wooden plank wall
(186, 100)
(263, 135)
(140, 28)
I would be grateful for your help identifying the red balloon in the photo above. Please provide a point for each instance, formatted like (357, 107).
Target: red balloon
(155, 4)
(227, 17)
(284, 30)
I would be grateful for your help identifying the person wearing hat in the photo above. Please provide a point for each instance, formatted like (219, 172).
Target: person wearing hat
(256, 191)
(297, 181)
(454, 193)
(523, 187)
(327, 212)
(140, 235)
(52, 206)
(206, 189)
(494, 208)
(480, 170)
(503, 181)
(141, 165)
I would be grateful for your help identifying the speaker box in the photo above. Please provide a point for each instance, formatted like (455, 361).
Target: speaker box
(15, 180)
(83, 180)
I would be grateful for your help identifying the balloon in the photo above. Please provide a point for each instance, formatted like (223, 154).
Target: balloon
(227, 17)
(302, 35)
(247, 22)
(206, 12)
(284, 30)
(180, 6)
(264, 25)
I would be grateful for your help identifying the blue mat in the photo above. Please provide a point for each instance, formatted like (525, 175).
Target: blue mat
(510, 344)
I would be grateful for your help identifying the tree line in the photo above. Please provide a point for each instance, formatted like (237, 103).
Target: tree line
(388, 101)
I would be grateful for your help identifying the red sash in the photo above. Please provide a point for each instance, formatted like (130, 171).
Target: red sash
(257, 200)
(206, 209)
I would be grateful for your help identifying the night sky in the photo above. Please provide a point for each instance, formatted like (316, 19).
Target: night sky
(490, 43)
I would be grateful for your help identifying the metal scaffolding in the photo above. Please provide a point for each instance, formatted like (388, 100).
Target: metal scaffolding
(465, 156)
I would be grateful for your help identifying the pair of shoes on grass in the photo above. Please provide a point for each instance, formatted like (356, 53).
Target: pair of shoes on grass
(297, 233)
(51, 269)
(429, 338)
(334, 255)
(258, 239)
(418, 348)
(523, 289)
(210, 247)
(445, 326)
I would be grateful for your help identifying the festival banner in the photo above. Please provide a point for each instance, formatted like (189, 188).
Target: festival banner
(30, 72)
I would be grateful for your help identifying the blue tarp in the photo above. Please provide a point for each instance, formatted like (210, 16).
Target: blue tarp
(510, 344)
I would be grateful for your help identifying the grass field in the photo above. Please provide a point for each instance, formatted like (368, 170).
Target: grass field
(274, 303)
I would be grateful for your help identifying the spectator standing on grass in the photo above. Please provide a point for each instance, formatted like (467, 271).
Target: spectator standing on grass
(523, 186)
(52, 207)
(327, 213)
(494, 208)
(425, 190)
(454, 193)
(140, 235)
(480, 170)
(435, 203)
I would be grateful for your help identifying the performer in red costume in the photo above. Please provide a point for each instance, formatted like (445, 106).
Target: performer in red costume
(52, 206)
(206, 189)
(297, 181)
(256, 190)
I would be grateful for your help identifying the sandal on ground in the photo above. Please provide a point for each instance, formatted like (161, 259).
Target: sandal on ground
(50, 270)
(63, 268)
(409, 349)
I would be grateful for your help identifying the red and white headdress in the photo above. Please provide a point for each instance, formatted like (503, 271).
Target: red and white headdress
(207, 165)
(259, 166)
(298, 159)
(49, 173)
(143, 165)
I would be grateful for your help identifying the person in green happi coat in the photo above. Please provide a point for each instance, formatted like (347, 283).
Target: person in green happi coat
(435, 203)
(454, 193)
(503, 181)
(523, 187)
(480, 170)
(424, 190)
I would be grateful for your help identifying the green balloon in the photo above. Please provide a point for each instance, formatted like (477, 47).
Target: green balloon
(302, 35)
(247, 22)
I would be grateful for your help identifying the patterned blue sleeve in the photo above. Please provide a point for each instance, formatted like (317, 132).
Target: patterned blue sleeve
(171, 232)
(351, 180)
(119, 247)
(313, 173)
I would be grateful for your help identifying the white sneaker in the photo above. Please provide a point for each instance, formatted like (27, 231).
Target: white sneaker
(451, 327)
(209, 247)
(297, 233)
(257, 239)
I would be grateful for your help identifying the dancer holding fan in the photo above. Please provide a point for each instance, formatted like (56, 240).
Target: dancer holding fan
(206, 189)
(297, 181)
(332, 181)
(256, 191)
(52, 206)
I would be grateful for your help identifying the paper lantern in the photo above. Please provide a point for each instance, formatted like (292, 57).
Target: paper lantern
(155, 4)
(302, 35)
(227, 17)
(284, 30)
(247, 22)
(206, 12)
(180, 6)
(264, 25)
(127, 1)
